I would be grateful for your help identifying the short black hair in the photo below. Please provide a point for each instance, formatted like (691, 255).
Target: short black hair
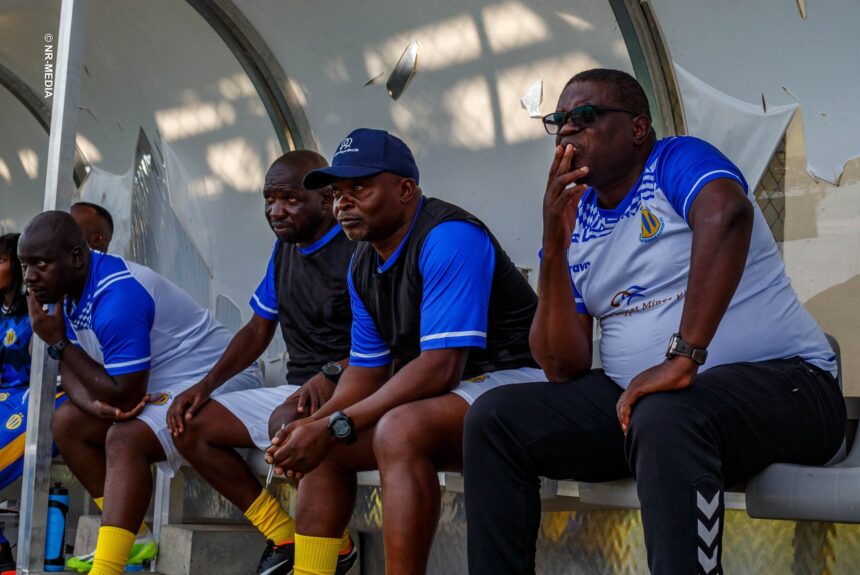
(9, 248)
(627, 91)
(102, 213)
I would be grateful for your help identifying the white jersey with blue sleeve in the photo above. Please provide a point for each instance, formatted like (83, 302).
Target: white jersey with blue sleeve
(630, 266)
(130, 319)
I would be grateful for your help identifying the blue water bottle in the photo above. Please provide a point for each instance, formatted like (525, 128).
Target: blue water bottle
(55, 533)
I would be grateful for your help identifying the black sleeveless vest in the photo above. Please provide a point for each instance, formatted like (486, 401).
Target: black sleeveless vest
(313, 305)
(393, 298)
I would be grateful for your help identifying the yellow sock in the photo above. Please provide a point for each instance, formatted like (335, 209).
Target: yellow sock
(316, 555)
(345, 542)
(100, 503)
(112, 549)
(267, 515)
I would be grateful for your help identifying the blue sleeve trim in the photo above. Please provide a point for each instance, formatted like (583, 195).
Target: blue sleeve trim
(457, 262)
(368, 347)
(704, 180)
(264, 301)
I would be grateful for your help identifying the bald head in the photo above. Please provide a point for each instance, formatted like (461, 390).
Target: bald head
(292, 163)
(295, 214)
(54, 256)
(96, 223)
(55, 230)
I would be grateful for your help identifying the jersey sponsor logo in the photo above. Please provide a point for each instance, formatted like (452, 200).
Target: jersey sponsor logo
(627, 296)
(4, 396)
(576, 268)
(10, 337)
(159, 398)
(652, 226)
(14, 421)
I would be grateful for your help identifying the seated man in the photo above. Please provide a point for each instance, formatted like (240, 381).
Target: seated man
(15, 344)
(652, 238)
(305, 289)
(96, 223)
(123, 335)
(435, 301)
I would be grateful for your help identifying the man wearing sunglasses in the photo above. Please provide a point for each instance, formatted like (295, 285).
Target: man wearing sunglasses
(659, 241)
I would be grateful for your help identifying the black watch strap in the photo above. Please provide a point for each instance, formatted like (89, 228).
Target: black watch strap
(678, 346)
(56, 351)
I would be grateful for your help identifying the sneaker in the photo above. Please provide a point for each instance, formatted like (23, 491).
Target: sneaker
(144, 549)
(7, 560)
(346, 560)
(277, 559)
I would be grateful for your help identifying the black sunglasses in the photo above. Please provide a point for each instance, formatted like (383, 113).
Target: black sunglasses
(581, 116)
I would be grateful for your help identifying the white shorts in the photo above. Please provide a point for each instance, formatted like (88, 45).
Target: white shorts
(253, 407)
(155, 413)
(472, 389)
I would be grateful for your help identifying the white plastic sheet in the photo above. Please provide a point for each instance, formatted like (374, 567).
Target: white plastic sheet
(742, 131)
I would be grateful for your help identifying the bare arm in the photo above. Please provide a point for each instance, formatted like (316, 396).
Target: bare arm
(433, 373)
(247, 345)
(560, 337)
(83, 376)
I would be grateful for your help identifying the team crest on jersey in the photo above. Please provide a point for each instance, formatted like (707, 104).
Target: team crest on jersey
(159, 399)
(14, 421)
(10, 337)
(652, 226)
(4, 396)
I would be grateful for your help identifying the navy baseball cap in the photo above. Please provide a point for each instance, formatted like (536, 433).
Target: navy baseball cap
(365, 152)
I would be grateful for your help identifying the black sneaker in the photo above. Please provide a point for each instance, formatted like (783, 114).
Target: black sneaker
(7, 560)
(277, 559)
(346, 559)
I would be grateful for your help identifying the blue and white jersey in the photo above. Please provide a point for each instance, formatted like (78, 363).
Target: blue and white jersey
(456, 264)
(16, 334)
(630, 265)
(130, 319)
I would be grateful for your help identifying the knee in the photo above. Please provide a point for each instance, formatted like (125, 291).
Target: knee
(126, 440)
(663, 418)
(67, 421)
(284, 414)
(398, 437)
(192, 433)
(490, 414)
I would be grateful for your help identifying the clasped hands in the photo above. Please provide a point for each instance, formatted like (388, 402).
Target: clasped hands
(300, 447)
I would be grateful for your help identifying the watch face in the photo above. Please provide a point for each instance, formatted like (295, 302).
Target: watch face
(341, 428)
(332, 369)
(53, 353)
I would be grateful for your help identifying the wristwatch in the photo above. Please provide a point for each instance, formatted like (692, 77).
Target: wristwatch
(341, 427)
(56, 351)
(678, 346)
(332, 370)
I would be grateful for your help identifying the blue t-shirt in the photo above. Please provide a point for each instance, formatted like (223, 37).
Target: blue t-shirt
(456, 264)
(630, 267)
(15, 361)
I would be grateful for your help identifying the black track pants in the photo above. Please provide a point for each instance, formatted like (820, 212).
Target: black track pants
(684, 447)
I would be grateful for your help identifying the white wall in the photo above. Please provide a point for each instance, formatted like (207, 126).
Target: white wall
(461, 115)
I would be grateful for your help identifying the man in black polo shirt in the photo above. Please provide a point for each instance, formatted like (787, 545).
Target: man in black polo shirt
(305, 291)
(435, 301)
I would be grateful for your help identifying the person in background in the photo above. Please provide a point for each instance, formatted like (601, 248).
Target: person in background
(15, 344)
(96, 223)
